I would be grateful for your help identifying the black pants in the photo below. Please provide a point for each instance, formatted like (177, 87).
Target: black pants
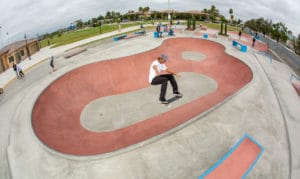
(163, 80)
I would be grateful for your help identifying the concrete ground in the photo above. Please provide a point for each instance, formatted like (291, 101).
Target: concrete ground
(267, 108)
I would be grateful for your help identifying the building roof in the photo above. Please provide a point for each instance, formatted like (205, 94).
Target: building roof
(15, 46)
(195, 12)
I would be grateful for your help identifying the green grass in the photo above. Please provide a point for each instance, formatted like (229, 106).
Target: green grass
(74, 36)
(149, 28)
(218, 26)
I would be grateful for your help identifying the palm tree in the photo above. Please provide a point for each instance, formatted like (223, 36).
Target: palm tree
(231, 14)
(213, 13)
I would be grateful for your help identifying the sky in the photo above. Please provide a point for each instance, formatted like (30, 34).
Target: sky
(35, 17)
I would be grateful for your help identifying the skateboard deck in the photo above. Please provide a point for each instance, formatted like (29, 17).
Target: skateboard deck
(172, 99)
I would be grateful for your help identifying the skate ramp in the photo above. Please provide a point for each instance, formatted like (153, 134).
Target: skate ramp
(56, 116)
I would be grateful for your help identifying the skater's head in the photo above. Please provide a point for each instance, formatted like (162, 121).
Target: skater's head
(162, 58)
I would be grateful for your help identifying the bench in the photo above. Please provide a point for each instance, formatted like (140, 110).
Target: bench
(169, 33)
(243, 47)
(238, 161)
(74, 52)
(135, 34)
(116, 38)
(143, 32)
(156, 34)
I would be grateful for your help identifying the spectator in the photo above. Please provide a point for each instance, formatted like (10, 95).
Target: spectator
(158, 30)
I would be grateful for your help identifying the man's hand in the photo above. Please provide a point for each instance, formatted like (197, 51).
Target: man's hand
(176, 74)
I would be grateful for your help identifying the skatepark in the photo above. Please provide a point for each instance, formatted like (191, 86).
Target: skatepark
(97, 116)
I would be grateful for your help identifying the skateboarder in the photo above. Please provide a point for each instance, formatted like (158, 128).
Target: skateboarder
(240, 35)
(52, 63)
(160, 74)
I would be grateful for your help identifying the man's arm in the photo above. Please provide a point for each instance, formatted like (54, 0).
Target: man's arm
(171, 72)
(163, 72)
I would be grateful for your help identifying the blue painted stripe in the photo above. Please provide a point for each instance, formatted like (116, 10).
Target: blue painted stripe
(292, 75)
(216, 165)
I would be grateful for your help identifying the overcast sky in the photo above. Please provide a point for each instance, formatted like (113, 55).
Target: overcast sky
(39, 16)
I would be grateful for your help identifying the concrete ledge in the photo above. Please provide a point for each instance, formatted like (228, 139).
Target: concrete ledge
(74, 52)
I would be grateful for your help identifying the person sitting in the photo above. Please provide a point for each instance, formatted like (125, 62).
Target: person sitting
(171, 32)
(158, 30)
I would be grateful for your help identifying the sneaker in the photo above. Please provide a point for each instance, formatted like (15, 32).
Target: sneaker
(163, 101)
(177, 94)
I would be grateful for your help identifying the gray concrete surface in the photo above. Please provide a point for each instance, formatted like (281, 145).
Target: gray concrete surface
(267, 109)
(118, 111)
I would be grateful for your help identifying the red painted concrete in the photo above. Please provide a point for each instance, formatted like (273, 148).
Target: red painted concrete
(259, 45)
(239, 161)
(56, 114)
(297, 88)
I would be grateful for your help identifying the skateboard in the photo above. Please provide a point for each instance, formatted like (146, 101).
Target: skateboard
(171, 100)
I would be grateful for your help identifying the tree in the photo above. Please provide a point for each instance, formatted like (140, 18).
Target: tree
(239, 21)
(79, 23)
(94, 21)
(260, 25)
(141, 9)
(297, 45)
(213, 13)
(108, 15)
(147, 9)
(231, 14)
(100, 17)
(279, 32)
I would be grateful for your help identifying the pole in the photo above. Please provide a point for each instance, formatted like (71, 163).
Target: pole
(169, 15)
(1, 37)
(28, 53)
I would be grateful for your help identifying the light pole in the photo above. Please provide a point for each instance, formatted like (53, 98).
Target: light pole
(100, 24)
(169, 15)
(1, 38)
(28, 53)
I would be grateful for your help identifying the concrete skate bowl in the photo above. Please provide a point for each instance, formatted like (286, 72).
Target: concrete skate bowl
(56, 113)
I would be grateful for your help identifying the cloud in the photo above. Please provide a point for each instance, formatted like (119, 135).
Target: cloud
(40, 16)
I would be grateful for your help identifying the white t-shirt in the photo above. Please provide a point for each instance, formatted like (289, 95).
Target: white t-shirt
(152, 72)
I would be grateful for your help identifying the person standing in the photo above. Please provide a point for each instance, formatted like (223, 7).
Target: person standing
(240, 35)
(52, 63)
(119, 27)
(18, 70)
(253, 42)
(160, 74)
(15, 69)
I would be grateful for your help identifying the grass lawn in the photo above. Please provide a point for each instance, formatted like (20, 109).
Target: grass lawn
(218, 26)
(74, 36)
(149, 28)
